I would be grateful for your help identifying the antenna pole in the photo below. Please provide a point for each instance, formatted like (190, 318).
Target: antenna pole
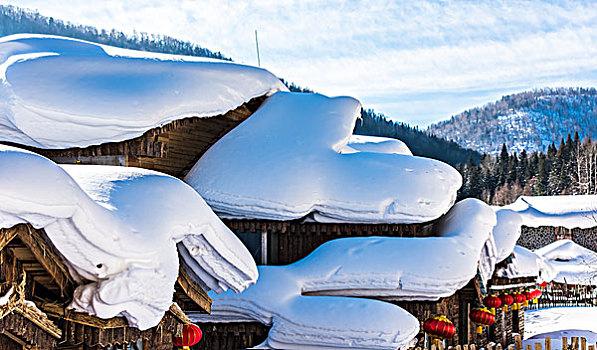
(257, 46)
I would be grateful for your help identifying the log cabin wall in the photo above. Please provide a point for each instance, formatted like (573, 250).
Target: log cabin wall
(285, 242)
(172, 148)
(231, 336)
(538, 237)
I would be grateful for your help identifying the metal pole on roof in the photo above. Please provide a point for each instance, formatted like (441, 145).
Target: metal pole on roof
(257, 46)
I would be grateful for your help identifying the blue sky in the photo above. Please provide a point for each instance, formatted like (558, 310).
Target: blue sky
(415, 61)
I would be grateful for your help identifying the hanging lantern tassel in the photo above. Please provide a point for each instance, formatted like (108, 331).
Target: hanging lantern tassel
(507, 300)
(492, 302)
(482, 317)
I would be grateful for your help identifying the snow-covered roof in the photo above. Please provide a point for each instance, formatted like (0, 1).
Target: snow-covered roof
(293, 158)
(573, 263)
(117, 229)
(306, 301)
(526, 263)
(58, 92)
(566, 211)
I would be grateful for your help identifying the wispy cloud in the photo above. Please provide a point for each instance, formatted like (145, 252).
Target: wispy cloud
(415, 61)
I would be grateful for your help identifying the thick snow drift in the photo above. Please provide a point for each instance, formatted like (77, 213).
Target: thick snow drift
(308, 302)
(506, 232)
(565, 211)
(58, 92)
(573, 263)
(117, 229)
(293, 157)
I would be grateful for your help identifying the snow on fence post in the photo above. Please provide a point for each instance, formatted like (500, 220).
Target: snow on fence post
(473, 347)
(574, 343)
(490, 346)
(537, 346)
(498, 346)
(529, 347)
(591, 347)
(518, 342)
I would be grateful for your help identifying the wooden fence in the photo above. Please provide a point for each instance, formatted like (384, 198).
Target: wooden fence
(559, 294)
(574, 343)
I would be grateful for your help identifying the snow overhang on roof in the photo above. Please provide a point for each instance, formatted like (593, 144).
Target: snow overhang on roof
(59, 92)
(296, 156)
(117, 229)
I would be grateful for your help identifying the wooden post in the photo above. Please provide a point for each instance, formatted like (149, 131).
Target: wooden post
(548, 343)
(518, 342)
(537, 346)
(511, 347)
(564, 343)
(433, 347)
(498, 346)
(465, 347)
(529, 347)
(591, 347)
(490, 346)
(440, 345)
(457, 347)
(575, 343)
(473, 347)
(583, 343)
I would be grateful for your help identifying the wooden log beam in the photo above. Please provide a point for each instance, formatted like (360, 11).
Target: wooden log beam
(193, 291)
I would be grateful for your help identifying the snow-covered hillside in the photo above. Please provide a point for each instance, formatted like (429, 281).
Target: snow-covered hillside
(530, 120)
(58, 92)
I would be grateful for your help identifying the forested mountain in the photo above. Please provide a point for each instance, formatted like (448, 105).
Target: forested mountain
(14, 20)
(529, 120)
(570, 168)
(420, 142)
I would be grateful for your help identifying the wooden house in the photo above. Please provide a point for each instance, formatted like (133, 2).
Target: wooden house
(172, 148)
(38, 287)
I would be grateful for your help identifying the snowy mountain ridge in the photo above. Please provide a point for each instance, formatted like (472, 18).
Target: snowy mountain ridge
(529, 120)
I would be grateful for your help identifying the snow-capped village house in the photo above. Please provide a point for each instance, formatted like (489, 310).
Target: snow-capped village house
(283, 172)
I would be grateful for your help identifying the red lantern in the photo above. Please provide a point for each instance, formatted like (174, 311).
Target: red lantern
(191, 334)
(537, 293)
(492, 302)
(543, 284)
(507, 300)
(519, 299)
(439, 327)
(528, 296)
(481, 317)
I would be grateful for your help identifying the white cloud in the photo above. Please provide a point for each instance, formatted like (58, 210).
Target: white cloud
(383, 52)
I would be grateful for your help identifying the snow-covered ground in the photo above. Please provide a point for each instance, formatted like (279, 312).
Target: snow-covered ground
(58, 92)
(560, 322)
(118, 229)
(296, 156)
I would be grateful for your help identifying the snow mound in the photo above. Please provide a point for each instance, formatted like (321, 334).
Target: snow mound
(573, 263)
(293, 157)
(57, 92)
(117, 229)
(506, 232)
(526, 263)
(311, 299)
(566, 211)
